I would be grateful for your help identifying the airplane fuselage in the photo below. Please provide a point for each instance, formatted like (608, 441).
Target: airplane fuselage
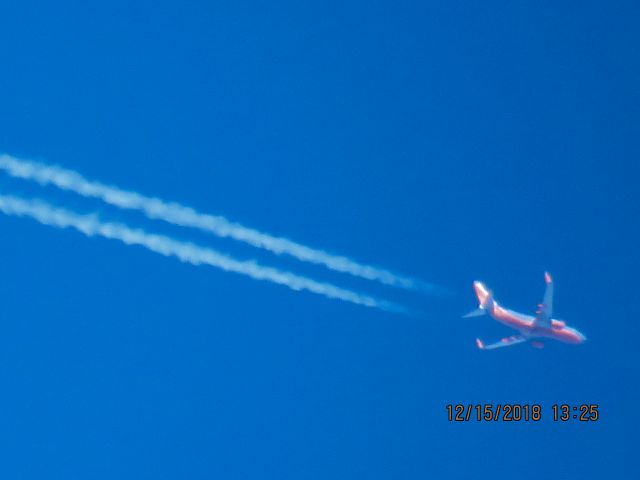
(525, 324)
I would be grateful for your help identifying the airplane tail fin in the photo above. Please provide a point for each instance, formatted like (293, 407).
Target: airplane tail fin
(485, 300)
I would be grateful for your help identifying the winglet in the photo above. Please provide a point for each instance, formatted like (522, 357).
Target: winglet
(480, 344)
(547, 277)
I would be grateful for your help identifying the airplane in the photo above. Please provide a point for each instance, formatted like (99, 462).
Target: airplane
(531, 328)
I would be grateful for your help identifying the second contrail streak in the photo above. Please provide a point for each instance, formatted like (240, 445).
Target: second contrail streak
(177, 214)
(186, 252)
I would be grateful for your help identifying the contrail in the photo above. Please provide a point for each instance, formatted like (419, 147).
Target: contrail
(186, 252)
(180, 215)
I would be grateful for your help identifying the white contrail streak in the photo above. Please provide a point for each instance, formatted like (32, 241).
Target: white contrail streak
(177, 214)
(186, 252)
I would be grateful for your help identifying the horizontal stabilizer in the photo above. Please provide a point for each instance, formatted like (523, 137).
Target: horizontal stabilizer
(478, 312)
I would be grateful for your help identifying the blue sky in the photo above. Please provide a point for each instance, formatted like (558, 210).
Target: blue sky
(449, 141)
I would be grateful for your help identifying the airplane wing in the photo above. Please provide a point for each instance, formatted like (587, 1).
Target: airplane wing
(545, 309)
(505, 342)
